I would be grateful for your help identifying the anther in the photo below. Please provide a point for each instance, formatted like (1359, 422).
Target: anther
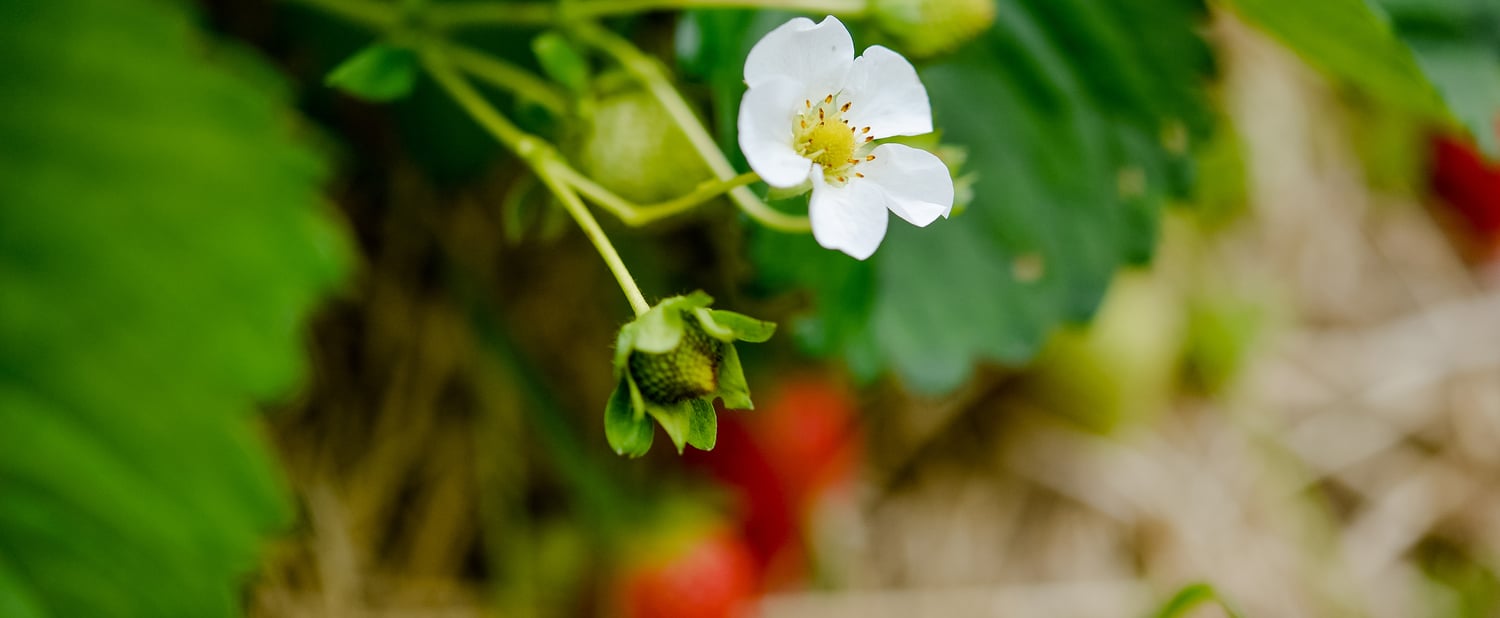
(820, 113)
(804, 123)
(845, 108)
(859, 175)
(854, 161)
(829, 99)
(868, 138)
(870, 158)
(865, 130)
(807, 102)
(843, 179)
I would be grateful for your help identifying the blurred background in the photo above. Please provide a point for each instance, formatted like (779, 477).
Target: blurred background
(1219, 305)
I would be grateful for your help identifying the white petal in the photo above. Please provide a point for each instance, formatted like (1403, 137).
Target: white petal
(850, 218)
(818, 56)
(915, 183)
(766, 116)
(887, 95)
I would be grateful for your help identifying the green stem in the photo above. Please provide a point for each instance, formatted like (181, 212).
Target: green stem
(463, 15)
(505, 75)
(638, 215)
(651, 74)
(543, 160)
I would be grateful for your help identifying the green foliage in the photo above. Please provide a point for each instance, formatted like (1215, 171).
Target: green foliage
(1078, 125)
(1441, 59)
(1193, 596)
(1349, 41)
(380, 72)
(1457, 45)
(159, 246)
(561, 60)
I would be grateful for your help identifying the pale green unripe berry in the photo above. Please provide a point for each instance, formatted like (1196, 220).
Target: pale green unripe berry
(931, 27)
(634, 148)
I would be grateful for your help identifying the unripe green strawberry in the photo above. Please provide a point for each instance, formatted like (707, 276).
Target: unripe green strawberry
(690, 370)
(931, 27)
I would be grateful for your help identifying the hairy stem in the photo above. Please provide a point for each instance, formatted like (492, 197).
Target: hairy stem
(542, 158)
(535, 14)
(638, 215)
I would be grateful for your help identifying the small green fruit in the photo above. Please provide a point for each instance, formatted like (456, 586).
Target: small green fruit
(636, 149)
(689, 371)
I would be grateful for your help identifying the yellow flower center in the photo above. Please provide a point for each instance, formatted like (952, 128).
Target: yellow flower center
(823, 135)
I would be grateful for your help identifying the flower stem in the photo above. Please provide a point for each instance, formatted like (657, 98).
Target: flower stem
(651, 74)
(463, 15)
(543, 160)
(638, 215)
(505, 75)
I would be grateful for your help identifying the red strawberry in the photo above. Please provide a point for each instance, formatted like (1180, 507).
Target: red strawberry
(812, 436)
(1470, 187)
(778, 460)
(711, 575)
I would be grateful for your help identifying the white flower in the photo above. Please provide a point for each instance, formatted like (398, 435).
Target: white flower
(812, 114)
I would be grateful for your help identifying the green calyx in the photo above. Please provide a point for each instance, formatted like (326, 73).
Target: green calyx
(672, 362)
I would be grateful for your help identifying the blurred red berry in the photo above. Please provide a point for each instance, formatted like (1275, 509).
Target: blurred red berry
(712, 576)
(777, 460)
(1469, 186)
(811, 433)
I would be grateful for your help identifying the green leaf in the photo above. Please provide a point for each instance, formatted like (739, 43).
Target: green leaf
(380, 72)
(745, 328)
(161, 242)
(628, 434)
(1079, 125)
(1457, 45)
(624, 345)
(1350, 42)
(659, 330)
(676, 420)
(561, 60)
(703, 424)
(732, 386)
(1193, 596)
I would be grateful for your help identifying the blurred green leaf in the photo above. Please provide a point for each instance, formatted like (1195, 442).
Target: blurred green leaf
(1351, 42)
(1079, 119)
(160, 245)
(1457, 45)
(1193, 596)
(561, 60)
(379, 72)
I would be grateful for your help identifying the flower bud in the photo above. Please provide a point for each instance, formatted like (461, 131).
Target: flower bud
(931, 27)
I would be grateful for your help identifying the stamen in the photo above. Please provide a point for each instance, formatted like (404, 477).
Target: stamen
(820, 113)
(870, 158)
(854, 161)
(829, 99)
(804, 123)
(845, 108)
(868, 138)
(843, 179)
(859, 175)
(865, 130)
(807, 102)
